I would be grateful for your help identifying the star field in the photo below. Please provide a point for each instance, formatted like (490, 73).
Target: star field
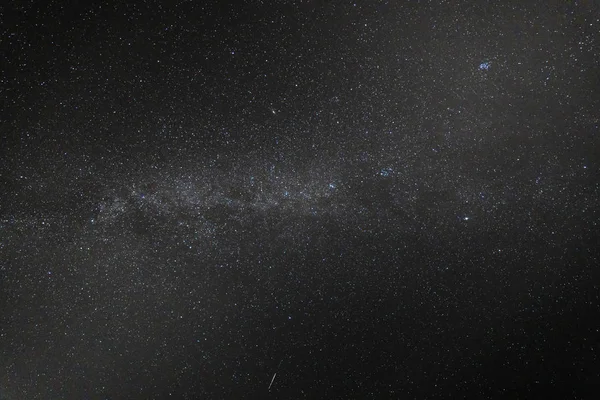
(312, 199)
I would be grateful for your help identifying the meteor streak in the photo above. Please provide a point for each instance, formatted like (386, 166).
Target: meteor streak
(272, 380)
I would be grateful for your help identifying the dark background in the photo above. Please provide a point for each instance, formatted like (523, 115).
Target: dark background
(370, 199)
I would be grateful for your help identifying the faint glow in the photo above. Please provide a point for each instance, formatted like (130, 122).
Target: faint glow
(484, 66)
(332, 186)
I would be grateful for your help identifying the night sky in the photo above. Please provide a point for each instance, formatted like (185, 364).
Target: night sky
(299, 199)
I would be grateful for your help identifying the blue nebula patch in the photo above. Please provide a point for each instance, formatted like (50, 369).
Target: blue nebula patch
(484, 66)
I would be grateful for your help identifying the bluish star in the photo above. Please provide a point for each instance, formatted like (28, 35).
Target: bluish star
(484, 66)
